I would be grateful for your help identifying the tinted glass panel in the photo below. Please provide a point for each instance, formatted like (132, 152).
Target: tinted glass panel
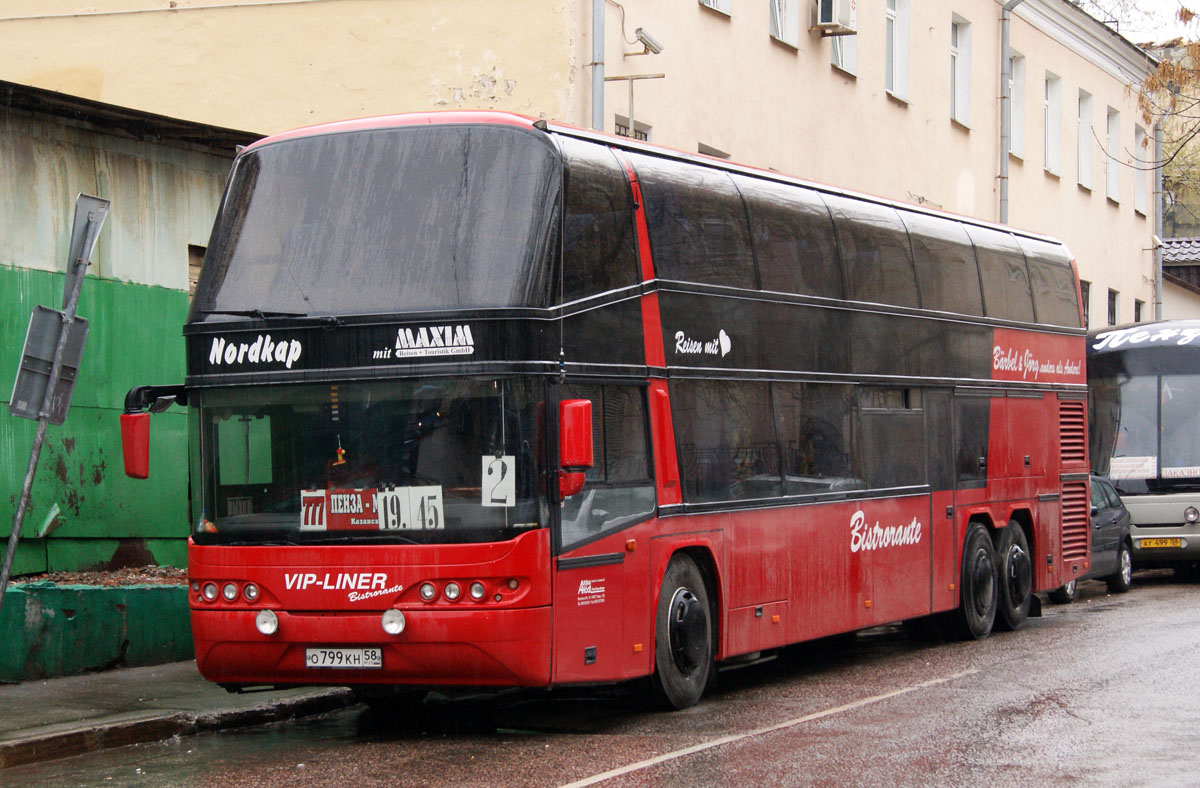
(698, 229)
(972, 417)
(814, 422)
(619, 490)
(1006, 293)
(1180, 426)
(385, 221)
(1055, 299)
(793, 238)
(875, 252)
(727, 447)
(945, 261)
(599, 246)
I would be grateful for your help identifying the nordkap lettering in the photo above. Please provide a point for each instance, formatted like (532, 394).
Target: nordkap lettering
(261, 351)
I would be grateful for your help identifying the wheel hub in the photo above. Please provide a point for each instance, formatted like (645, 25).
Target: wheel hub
(687, 630)
(981, 580)
(1020, 573)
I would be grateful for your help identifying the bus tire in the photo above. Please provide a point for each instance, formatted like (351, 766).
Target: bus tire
(978, 590)
(1016, 577)
(683, 636)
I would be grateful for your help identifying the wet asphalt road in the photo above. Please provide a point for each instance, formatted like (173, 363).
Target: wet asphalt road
(1101, 692)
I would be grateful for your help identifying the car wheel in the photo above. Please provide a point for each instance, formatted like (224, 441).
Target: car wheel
(1120, 582)
(1016, 577)
(683, 636)
(1064, 595)
(978, 590)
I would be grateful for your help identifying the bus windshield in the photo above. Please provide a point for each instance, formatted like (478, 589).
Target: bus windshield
(384, 221)
(430, 461)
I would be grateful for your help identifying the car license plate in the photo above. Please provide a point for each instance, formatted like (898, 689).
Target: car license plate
(1152, 543)
(343, 657)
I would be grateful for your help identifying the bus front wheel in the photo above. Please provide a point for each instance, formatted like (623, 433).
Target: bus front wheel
(683, 636)
(1016, 577)
(978, 590)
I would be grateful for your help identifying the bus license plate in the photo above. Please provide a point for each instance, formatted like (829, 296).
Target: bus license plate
(1150, 543)
(343, 657)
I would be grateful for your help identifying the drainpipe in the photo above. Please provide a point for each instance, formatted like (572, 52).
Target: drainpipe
(1005, 104)
(1159, 210)
(598, 65)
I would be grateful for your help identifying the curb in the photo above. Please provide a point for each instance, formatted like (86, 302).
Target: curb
(60, 741)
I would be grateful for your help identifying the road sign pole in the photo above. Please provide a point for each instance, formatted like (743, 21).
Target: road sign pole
(75, 275)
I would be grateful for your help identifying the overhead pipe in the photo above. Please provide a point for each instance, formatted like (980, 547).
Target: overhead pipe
(1005, 103)
(598, 65)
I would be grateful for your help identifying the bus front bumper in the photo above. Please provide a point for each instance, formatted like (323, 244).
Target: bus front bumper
(436, 648)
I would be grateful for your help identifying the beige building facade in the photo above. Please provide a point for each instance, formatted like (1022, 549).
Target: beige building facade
(907, 107)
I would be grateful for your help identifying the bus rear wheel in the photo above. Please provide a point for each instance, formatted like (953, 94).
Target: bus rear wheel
(1016, 577)
(683, 636)
(978, 590)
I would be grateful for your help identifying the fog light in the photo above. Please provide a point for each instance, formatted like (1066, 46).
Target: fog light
(229, 591)
(512, 584)
(195, 586)
(427, 592)
(267, 622)
(1191, 514)
(393, 622)
(453, 591)
(250, 592)
(477, 590)
(209, 592)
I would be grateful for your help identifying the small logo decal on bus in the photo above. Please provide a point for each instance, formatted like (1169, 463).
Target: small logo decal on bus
(263, 350)
(687, 346)
(430, 341)
(865, 537)
(591, 592)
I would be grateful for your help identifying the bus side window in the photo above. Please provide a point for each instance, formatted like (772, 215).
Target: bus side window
(875, 252)
(814, 425)
(945, 260)
(1005, 278)
(697, 223)
(618, 489)
(793, 238)
(598, 231)
(893, 437)
(1055, 300)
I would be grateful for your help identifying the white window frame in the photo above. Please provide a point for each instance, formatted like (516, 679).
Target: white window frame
(843, 54)
(720, 6)
(1112, 162)
(785, 22)
(960, 70)
(1052, 123)
(1141, 171)
(1016, 106)
(896, 53)
(1083, 140)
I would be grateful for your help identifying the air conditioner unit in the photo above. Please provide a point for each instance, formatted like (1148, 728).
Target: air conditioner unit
(837, 17)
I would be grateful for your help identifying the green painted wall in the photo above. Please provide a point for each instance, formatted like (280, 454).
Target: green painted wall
(134, 338)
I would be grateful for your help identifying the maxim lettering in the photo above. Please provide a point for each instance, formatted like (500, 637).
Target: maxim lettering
(263, 350)
(864, 537)
(434, 341)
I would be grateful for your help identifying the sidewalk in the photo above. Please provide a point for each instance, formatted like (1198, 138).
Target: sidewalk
(57, 718)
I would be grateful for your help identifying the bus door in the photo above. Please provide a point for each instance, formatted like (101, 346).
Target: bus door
(601, 570)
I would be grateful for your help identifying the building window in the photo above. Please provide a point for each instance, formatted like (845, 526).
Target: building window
(1141, 169)
(641, 131)
(1016, 106)
(843, 53)
(1112, 162)
(1085, 293)
(960, 71)
(1051, 123)
(1083, 145)
(1112, 307)
(895, 77)
(1137, 310)
(785, 22)
(195, 258)
(722, 6)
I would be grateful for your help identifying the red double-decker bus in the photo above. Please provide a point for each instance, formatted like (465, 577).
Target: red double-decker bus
(477, 400)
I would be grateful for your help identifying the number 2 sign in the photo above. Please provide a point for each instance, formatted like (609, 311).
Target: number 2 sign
(499, 480)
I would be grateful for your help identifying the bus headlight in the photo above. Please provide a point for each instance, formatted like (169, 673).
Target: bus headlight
(209, 592)
(267, 622)
(477, 590)
(427, 591)
(453, 591)
(393, 622)
(1191, 514)
(250, 592)
(229, 591)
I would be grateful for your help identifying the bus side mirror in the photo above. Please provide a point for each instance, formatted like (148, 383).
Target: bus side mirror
(135, 444)
(574, 444)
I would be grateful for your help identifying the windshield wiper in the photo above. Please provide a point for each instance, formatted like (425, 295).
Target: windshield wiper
(255, 313)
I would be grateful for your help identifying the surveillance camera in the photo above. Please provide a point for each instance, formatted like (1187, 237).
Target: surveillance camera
(652, 46)
(1154, 239)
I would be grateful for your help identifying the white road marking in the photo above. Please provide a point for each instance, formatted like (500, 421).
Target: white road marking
(723, 740)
